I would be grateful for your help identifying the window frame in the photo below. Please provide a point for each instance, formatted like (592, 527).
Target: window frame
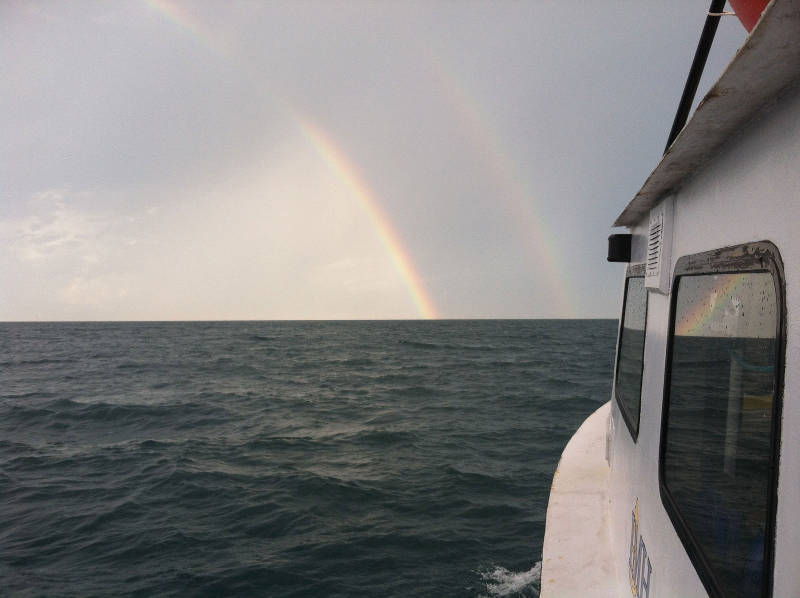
(761, 256)
(633, 271)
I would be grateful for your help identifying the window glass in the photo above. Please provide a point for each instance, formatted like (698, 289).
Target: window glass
(718, 436)
(628, 382)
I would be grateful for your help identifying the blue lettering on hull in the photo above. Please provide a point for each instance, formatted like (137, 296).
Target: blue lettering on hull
(639, 567)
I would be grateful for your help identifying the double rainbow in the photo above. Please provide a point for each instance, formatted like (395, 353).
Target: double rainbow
(541, 244)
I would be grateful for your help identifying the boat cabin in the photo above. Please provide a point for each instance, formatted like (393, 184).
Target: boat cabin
(687, 483)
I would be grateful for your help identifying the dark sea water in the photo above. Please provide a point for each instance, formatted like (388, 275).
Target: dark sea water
(287, 459)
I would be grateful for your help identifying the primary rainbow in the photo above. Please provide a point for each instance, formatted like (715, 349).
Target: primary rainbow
(338, 162)
(333, 156)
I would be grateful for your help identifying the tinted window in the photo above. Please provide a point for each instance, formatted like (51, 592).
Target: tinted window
(717, 451)
(628, 383)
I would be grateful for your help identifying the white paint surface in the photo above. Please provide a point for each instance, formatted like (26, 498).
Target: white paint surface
(576, 554)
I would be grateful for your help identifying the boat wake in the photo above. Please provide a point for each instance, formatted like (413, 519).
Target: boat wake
(502, 582)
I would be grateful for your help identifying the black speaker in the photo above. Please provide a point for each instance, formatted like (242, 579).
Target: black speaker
(619, 248)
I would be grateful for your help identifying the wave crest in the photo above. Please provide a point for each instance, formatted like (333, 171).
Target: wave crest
(502, 582)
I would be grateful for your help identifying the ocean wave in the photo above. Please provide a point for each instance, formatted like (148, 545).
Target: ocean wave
(473, 476)
(261, 338)
(502, 582)
(11, 447)
(40, 361)
(488, 512)
(392, 378)
(385, 437)
(355, 362)
(452, 347)
(33, 394)
(109, 516)
(137, 366)
(62, 414)
(269, 444)
(418, 344)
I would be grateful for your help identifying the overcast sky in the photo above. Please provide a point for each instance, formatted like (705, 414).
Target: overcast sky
(325, 160)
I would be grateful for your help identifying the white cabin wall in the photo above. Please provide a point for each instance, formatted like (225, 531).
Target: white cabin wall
(748, 192)
(619, 480)
(656, 528)
(639, 244)
(752, 193)
(634, 472)
(620, 491)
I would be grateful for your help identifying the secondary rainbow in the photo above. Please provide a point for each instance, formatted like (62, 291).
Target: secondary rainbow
(188, 22)
(539, 240)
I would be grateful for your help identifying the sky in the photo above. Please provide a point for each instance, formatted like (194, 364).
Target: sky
(170, 160)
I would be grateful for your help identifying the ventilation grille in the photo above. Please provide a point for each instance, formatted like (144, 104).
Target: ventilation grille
(654, 242)
(659, 247)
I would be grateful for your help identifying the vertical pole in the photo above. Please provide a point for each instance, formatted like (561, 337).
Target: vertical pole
(696, 70)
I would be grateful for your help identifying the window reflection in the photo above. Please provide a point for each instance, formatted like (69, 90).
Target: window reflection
(718, 436)
(628, 382)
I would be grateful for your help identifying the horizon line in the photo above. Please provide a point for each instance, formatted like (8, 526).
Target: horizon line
(178, 321)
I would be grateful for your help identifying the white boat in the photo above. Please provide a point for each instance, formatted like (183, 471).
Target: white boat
(687, 483)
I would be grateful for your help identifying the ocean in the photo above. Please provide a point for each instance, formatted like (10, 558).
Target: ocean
(287, 459)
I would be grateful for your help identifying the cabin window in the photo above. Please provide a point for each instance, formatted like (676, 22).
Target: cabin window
(630, 355)
(720, 426)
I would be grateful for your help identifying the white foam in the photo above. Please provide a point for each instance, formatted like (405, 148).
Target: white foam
(502, 582)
